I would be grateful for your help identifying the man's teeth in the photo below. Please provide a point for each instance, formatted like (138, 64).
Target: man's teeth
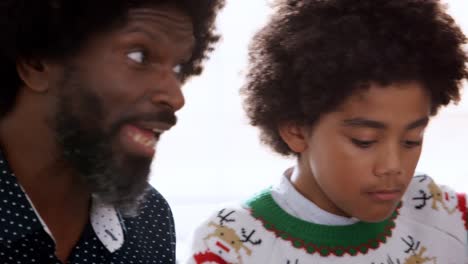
(157, 130)
(148, 142)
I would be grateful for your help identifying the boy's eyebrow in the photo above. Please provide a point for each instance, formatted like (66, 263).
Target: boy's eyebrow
(363, 122)
(418, 123)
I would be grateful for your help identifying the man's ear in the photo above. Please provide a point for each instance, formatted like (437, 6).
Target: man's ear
(35, 74)
(294, 136)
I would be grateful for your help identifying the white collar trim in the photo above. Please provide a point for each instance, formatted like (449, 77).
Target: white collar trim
(294, 203)
(107, 225)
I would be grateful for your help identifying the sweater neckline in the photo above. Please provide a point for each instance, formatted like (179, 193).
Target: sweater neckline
(314, 238)
(294, 203)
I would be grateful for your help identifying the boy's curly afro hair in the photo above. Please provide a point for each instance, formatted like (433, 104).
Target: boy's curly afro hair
(313, 54)
(57, 29)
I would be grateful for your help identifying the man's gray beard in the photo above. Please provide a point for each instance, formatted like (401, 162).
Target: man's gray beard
(113, 178)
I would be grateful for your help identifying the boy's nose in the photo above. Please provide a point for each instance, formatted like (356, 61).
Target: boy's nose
(389, 163)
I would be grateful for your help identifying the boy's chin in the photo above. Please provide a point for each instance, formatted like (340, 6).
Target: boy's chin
(376, 216)
(374, 219)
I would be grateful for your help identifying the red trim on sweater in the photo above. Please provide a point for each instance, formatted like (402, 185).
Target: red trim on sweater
(462, 207)
(208, 256)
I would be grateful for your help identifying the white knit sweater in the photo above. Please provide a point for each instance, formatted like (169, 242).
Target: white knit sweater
(429, 227)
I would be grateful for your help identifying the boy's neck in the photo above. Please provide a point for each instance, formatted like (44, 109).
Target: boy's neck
(305, 183)
(293, 202)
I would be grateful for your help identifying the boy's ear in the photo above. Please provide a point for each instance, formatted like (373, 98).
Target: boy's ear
(294, 136)
(35, 74)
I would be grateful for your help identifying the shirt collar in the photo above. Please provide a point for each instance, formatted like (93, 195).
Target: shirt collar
(107, 225)
(19, 218)
(294, 203)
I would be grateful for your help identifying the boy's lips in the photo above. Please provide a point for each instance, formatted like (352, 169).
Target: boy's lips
(385, 195)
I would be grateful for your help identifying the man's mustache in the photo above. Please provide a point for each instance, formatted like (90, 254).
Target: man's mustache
(165, 116)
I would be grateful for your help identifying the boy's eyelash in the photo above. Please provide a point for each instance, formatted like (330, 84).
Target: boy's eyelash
(363, 143)
(410, 143)
(369, 143)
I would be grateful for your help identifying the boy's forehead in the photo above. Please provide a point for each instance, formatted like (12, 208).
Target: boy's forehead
(382, 94)
(408, 99)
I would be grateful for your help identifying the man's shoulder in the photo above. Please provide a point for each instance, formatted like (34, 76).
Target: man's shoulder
(153, 198)
(153, 210)
(151, 230)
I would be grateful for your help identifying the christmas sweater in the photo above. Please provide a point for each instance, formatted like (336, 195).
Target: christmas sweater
(429, 226)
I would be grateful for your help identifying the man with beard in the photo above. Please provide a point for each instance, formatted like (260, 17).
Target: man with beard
(88, 88)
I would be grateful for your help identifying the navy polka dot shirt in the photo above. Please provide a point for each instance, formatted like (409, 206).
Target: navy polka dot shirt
(107, 238)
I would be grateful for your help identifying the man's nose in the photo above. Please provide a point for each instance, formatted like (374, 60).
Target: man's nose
(168, 89)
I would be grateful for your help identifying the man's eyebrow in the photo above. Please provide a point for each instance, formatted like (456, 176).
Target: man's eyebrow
(155, 36)
(138, 29)
(368, 123)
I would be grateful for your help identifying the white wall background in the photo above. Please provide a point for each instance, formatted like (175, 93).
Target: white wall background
(213, 156)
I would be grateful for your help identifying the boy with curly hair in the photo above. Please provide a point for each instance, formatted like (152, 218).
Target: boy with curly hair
(348, 88)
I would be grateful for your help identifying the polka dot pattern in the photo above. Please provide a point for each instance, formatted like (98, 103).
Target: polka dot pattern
(107, 238)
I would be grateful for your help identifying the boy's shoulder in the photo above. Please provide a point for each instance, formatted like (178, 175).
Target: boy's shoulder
(227, 235)
(434, 205)
(230, 215)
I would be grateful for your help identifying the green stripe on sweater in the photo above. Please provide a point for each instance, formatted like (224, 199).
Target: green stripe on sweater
(321, 239)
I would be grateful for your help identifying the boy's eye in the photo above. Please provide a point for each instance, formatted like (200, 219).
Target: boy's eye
(412, 144)
(137, 56)
(363, 143)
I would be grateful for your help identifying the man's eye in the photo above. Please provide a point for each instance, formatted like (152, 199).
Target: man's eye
(363, 143)
(177, 69)
(137, 56)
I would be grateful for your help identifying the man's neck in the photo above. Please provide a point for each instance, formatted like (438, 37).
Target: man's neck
(63, 206)
(61, 199)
